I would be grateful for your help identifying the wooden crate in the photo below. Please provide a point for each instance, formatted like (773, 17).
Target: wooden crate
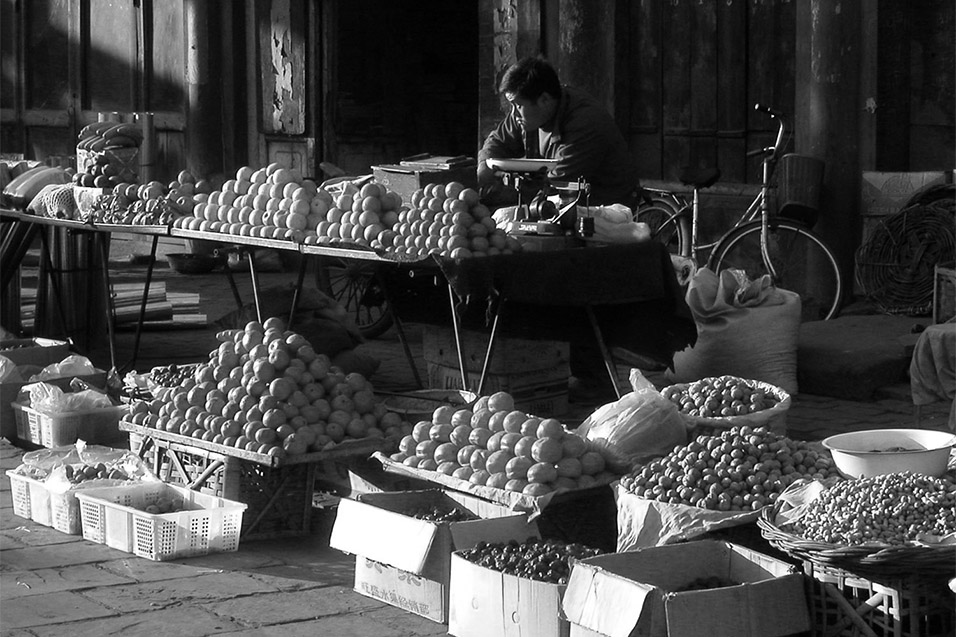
(944, 294)
(279, 499)
(843, 604)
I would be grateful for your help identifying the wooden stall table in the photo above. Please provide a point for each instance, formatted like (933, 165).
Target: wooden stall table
(622, 296)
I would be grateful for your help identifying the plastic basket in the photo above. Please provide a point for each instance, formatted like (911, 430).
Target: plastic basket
(843, 604)
(800, 180)
(114, 516)
(34, 501)
(98, 426)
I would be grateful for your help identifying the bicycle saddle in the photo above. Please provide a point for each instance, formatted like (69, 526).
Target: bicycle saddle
(699, 177)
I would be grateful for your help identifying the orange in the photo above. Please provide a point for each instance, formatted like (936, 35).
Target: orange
(446, 452)
(463, 457)
(537, 489)
(523, 446)
(443, 414)
(460, 434)
(569, 468)
(518, 467)
(513, 421)
(546, 450)
(494, 442)
(479, 477)
(530, 426)
(501, 401)
(508, 442)
(516, 484)
(573, 446)
(551, 428)
(592, 463)
(497, 480)
(463, 473)
(441, 432)
(478, 459)
(480, 437)
(542, 472)
(497, 420)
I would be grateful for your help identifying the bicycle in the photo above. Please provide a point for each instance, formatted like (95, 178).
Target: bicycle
(761, 241)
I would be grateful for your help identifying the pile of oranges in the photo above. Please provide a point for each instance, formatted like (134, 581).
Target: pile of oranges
(493, 444)
(264, 389)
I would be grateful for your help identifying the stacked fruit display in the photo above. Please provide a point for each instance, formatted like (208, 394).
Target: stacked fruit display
(106, 165)
(274, 202)
(448, 219)
(742, 469)
(366, 217)
(542, 560)
(265, 390)
(152, 203)
(493, 444)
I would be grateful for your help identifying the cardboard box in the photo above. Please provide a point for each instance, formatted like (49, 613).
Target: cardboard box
(34, 351)
(626, 594)
(406, 562)
(535, 373)
(886, 193)
(406, 180)
(944, 294)
(510, 355)
(488, 603)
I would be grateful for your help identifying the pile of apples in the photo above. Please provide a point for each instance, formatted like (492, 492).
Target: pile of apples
(276, 202)
(264, 389)
(449, 220)
(493, 444)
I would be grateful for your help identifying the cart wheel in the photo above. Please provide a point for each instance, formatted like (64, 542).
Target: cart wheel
(355, 285)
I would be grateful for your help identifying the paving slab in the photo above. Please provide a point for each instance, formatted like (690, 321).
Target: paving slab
(21, 584)
(286, 607)
(142, 570)
(52, 608)
(28, 533)
(189, 590)
(351, 625)
(53, 556)
(188, 621)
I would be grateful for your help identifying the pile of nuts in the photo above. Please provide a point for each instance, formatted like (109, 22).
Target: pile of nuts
(895, 508)
(742, 469)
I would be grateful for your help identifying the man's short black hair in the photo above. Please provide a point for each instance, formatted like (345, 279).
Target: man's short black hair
(529, 77)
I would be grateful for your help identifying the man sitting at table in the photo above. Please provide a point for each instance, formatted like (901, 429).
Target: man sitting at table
(551, 121)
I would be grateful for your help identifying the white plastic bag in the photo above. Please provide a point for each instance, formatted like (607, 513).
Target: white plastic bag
(72, 365)
(51, 400)
(638, 427)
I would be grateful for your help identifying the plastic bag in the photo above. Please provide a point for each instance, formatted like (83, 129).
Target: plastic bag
(9, 371)
(62, 468)
(51, 400)
(638, 427)
(72, 365)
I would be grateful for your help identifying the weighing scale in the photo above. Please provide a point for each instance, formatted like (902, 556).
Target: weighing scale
(541, 216)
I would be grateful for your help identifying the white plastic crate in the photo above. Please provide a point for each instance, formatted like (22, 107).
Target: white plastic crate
(34, 501)
(114, 516)
(97, 426)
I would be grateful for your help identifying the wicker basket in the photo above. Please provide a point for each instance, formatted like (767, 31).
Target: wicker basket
(774, 419)
(876, 561)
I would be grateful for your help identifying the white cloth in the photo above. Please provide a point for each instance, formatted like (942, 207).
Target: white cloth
(933, 367)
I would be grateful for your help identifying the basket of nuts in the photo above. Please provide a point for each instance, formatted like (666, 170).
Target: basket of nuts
(882, 526)
(716, 403)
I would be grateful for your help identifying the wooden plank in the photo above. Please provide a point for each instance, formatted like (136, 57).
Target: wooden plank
(164, 84)
(732, 102)
(110, 65)
(703, 85)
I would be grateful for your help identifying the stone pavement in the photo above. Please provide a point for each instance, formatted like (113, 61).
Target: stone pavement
(57, 584)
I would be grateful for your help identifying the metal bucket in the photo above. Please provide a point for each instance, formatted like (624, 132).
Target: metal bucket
(799, 182)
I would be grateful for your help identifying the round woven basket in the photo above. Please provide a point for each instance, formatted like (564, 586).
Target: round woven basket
(188, 263)
(872, 561)
(774, 418)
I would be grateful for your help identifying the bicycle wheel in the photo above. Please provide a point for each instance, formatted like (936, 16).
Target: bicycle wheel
(666, 227)
(804, 264)
(355, 286)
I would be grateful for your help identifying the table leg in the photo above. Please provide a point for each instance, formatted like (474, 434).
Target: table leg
(399, 327)
(142, 307)
(456, 327)
(54, 281)
(255, 283)
(233, 287)
(605, 354)
(110, 309)
(492, 338)
(295, 292)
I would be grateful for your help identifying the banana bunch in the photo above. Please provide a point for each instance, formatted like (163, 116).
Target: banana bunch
(100, 136)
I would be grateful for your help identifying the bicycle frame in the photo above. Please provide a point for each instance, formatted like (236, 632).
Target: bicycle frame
(759, 207)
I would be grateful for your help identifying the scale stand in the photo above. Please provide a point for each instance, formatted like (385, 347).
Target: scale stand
(542, 217)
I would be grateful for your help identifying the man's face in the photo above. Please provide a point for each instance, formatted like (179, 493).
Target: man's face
(532, 114)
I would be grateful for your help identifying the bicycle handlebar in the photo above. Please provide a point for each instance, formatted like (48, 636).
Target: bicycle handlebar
(774, 151)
